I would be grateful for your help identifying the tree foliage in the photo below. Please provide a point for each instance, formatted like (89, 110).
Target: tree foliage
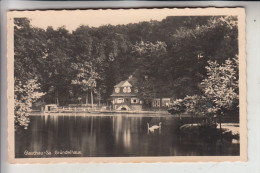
(221, 84)
(25, 94)
(166, 59)
(220, 91)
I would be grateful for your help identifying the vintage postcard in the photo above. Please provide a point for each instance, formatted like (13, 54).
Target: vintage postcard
(127, 85)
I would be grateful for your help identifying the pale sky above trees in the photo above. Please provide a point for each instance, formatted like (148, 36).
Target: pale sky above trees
(72, 19)
(93, 18)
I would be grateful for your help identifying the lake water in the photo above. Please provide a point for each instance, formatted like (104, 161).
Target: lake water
(101, 135)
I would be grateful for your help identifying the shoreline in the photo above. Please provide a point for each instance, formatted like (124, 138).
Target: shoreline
(102, 113)
(112, 113)
(227, 130)
(119, 113)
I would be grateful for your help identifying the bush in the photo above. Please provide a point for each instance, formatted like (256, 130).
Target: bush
(26, 93)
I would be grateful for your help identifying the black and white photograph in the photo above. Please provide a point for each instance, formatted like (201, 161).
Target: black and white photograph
(127, 85)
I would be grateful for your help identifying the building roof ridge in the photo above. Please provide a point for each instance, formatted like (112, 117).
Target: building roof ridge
(120, 84)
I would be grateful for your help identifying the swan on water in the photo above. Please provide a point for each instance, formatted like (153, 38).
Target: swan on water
(154, 127)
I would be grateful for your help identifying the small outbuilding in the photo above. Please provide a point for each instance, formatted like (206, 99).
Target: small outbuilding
(161, 102)
(51, 108)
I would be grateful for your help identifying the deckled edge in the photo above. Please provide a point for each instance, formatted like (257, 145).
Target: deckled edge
(192, 11)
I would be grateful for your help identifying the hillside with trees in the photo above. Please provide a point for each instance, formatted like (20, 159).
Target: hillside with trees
(176, 57)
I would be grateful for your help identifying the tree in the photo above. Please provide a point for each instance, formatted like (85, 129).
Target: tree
(178, 107)
(168, 56)
(221, 85)
(29, 53)
(149, 56)
(146, 91)
(29, 50)
(86, 78)
(25, 94)
(57, 73)
(220, 89)
(191, 46)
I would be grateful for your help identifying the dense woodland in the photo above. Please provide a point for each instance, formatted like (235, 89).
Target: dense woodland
(171, 58)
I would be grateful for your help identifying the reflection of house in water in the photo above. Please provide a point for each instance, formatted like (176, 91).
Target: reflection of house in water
(124, 97)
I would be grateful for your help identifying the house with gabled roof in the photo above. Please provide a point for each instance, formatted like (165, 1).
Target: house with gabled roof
(124, 97)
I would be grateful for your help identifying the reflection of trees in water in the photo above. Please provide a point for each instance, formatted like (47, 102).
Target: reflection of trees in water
(89, 138)
(196, 144)
(124, 135)
(122, 129)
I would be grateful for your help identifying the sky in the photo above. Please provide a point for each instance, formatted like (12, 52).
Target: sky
(94, 18)
(72, 19)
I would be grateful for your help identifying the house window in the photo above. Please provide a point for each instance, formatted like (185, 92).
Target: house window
(156, 102)
(117, 90)
(166, 102)
(119, 100)
(134, 100)
(127, 90)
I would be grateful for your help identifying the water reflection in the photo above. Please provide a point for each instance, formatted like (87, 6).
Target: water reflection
(114, 135)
